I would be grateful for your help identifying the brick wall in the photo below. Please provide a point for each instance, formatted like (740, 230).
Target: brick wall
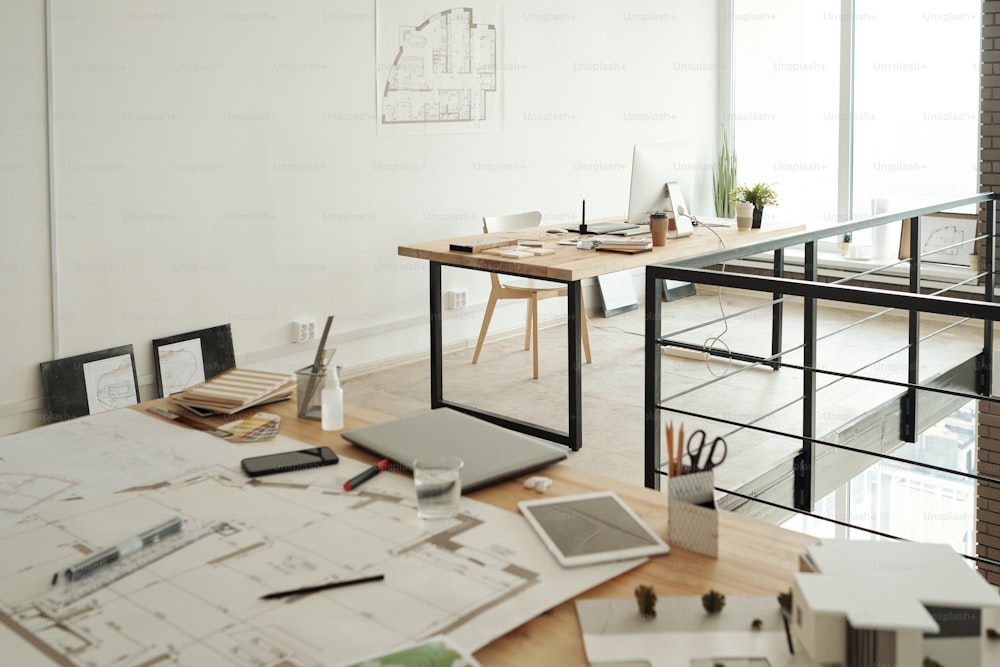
(988, 495)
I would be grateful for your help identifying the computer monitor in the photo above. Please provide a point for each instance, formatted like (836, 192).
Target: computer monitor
(653, 167)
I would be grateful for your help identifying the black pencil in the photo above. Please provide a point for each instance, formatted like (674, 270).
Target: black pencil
(322, 587)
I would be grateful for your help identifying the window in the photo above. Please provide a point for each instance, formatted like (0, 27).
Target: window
(911, 101)
(910, 501)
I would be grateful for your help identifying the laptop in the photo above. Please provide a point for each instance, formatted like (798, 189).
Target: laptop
(491, 453)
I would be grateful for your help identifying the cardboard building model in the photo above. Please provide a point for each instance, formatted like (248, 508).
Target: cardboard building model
(860, 604)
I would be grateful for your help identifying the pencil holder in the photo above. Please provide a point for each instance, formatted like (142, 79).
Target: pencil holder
(309, 392)
(692, 518)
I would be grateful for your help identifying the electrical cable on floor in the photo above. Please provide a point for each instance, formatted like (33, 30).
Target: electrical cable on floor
(713, 341)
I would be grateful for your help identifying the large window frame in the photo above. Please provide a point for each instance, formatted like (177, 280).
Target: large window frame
(728, 111)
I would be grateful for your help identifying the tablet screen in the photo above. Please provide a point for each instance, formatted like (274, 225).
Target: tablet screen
(591, 528)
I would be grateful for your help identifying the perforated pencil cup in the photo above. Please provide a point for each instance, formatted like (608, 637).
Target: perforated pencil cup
(309, 392)
(692, 518)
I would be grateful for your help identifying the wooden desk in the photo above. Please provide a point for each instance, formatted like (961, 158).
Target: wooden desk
(568, 265)
(755, 558)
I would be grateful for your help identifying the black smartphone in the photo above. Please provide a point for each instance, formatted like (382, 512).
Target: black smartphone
(269, 464)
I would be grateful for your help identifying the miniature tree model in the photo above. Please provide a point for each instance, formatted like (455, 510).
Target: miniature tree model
(646, 598)
(713, 601)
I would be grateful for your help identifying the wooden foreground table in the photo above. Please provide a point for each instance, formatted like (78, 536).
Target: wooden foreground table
(755, 558)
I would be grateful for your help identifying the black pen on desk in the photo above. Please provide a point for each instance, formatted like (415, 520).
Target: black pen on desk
(322, 587)
(95, 562)
(583, 218)
(363, 477)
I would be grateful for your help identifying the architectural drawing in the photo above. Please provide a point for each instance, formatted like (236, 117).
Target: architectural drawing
(104, 453)
(443, 72)
(473, 578)
(181, 365)
(110, 383)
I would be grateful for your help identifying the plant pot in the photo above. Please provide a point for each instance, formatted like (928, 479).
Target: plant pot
(758, 215)
(744, 215)
(845, 248)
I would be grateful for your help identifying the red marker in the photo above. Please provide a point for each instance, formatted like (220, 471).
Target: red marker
(361, 478)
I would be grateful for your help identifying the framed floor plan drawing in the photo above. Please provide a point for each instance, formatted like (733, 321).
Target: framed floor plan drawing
(89, 383)
(945, 238)
(184, 360)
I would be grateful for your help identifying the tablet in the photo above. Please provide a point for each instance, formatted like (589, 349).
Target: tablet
(591, 528)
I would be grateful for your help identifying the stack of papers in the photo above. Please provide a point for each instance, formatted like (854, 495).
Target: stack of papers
(237, 389)
(624, 244)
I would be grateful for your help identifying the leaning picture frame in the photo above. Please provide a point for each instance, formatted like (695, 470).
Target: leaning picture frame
(186, 359)
(945, 238)
(89, 383)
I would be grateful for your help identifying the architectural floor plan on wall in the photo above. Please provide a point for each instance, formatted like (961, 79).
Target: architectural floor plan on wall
(472, 578)
(438, 68)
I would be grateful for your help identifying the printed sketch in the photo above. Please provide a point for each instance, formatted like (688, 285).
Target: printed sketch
(110, 383)
(940, 234)
(443, 70)
(181, 365)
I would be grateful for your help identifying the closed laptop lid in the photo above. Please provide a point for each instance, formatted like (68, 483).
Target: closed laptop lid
(490, 453)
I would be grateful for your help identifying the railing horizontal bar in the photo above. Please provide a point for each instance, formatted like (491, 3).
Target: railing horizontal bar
(718, 256)
(835, 445)
(868, 296)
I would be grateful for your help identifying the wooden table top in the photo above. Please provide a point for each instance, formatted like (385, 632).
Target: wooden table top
(569, 263)
(755, 558)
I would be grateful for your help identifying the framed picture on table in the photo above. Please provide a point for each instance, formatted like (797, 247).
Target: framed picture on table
(945, 238)
(89, 383)
(184, 360)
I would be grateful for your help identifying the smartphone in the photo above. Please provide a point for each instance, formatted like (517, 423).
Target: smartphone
(269, 464)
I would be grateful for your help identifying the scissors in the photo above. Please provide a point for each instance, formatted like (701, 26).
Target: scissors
(695, 449)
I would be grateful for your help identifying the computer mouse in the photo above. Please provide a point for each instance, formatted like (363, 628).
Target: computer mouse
(557, 231)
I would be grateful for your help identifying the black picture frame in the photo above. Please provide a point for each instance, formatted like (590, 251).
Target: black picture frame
(214, 355)
(82, 385)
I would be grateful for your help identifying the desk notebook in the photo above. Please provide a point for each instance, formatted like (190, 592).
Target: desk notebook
(491, 453)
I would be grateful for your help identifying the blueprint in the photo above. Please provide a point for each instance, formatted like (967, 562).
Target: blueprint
(471, 578)
(104, 453)
(438, 68)
(182, 365)
(110, 383)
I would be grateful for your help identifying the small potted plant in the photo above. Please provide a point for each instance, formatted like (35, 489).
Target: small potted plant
(845, 244)
(760, 195)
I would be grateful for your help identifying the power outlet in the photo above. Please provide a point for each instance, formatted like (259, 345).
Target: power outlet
(457, 298)
(303, 330)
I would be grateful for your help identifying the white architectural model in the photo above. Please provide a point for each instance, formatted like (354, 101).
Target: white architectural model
(860, 604)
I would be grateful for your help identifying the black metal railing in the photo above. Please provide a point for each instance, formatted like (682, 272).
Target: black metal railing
(913, 300)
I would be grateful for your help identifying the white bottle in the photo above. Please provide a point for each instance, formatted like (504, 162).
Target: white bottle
(332, 402)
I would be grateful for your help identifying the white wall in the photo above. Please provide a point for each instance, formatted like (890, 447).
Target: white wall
(218, 162)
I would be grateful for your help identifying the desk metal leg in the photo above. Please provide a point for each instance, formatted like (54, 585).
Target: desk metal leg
(437, 371)
(777, 310)
(573, 438)
(574, 369)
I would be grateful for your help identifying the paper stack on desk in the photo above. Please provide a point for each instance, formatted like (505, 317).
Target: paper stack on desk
(237, 389)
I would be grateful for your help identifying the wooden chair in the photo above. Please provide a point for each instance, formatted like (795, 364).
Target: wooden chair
(532, 290)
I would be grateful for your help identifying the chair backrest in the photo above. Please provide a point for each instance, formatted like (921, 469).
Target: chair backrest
(504, 223)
